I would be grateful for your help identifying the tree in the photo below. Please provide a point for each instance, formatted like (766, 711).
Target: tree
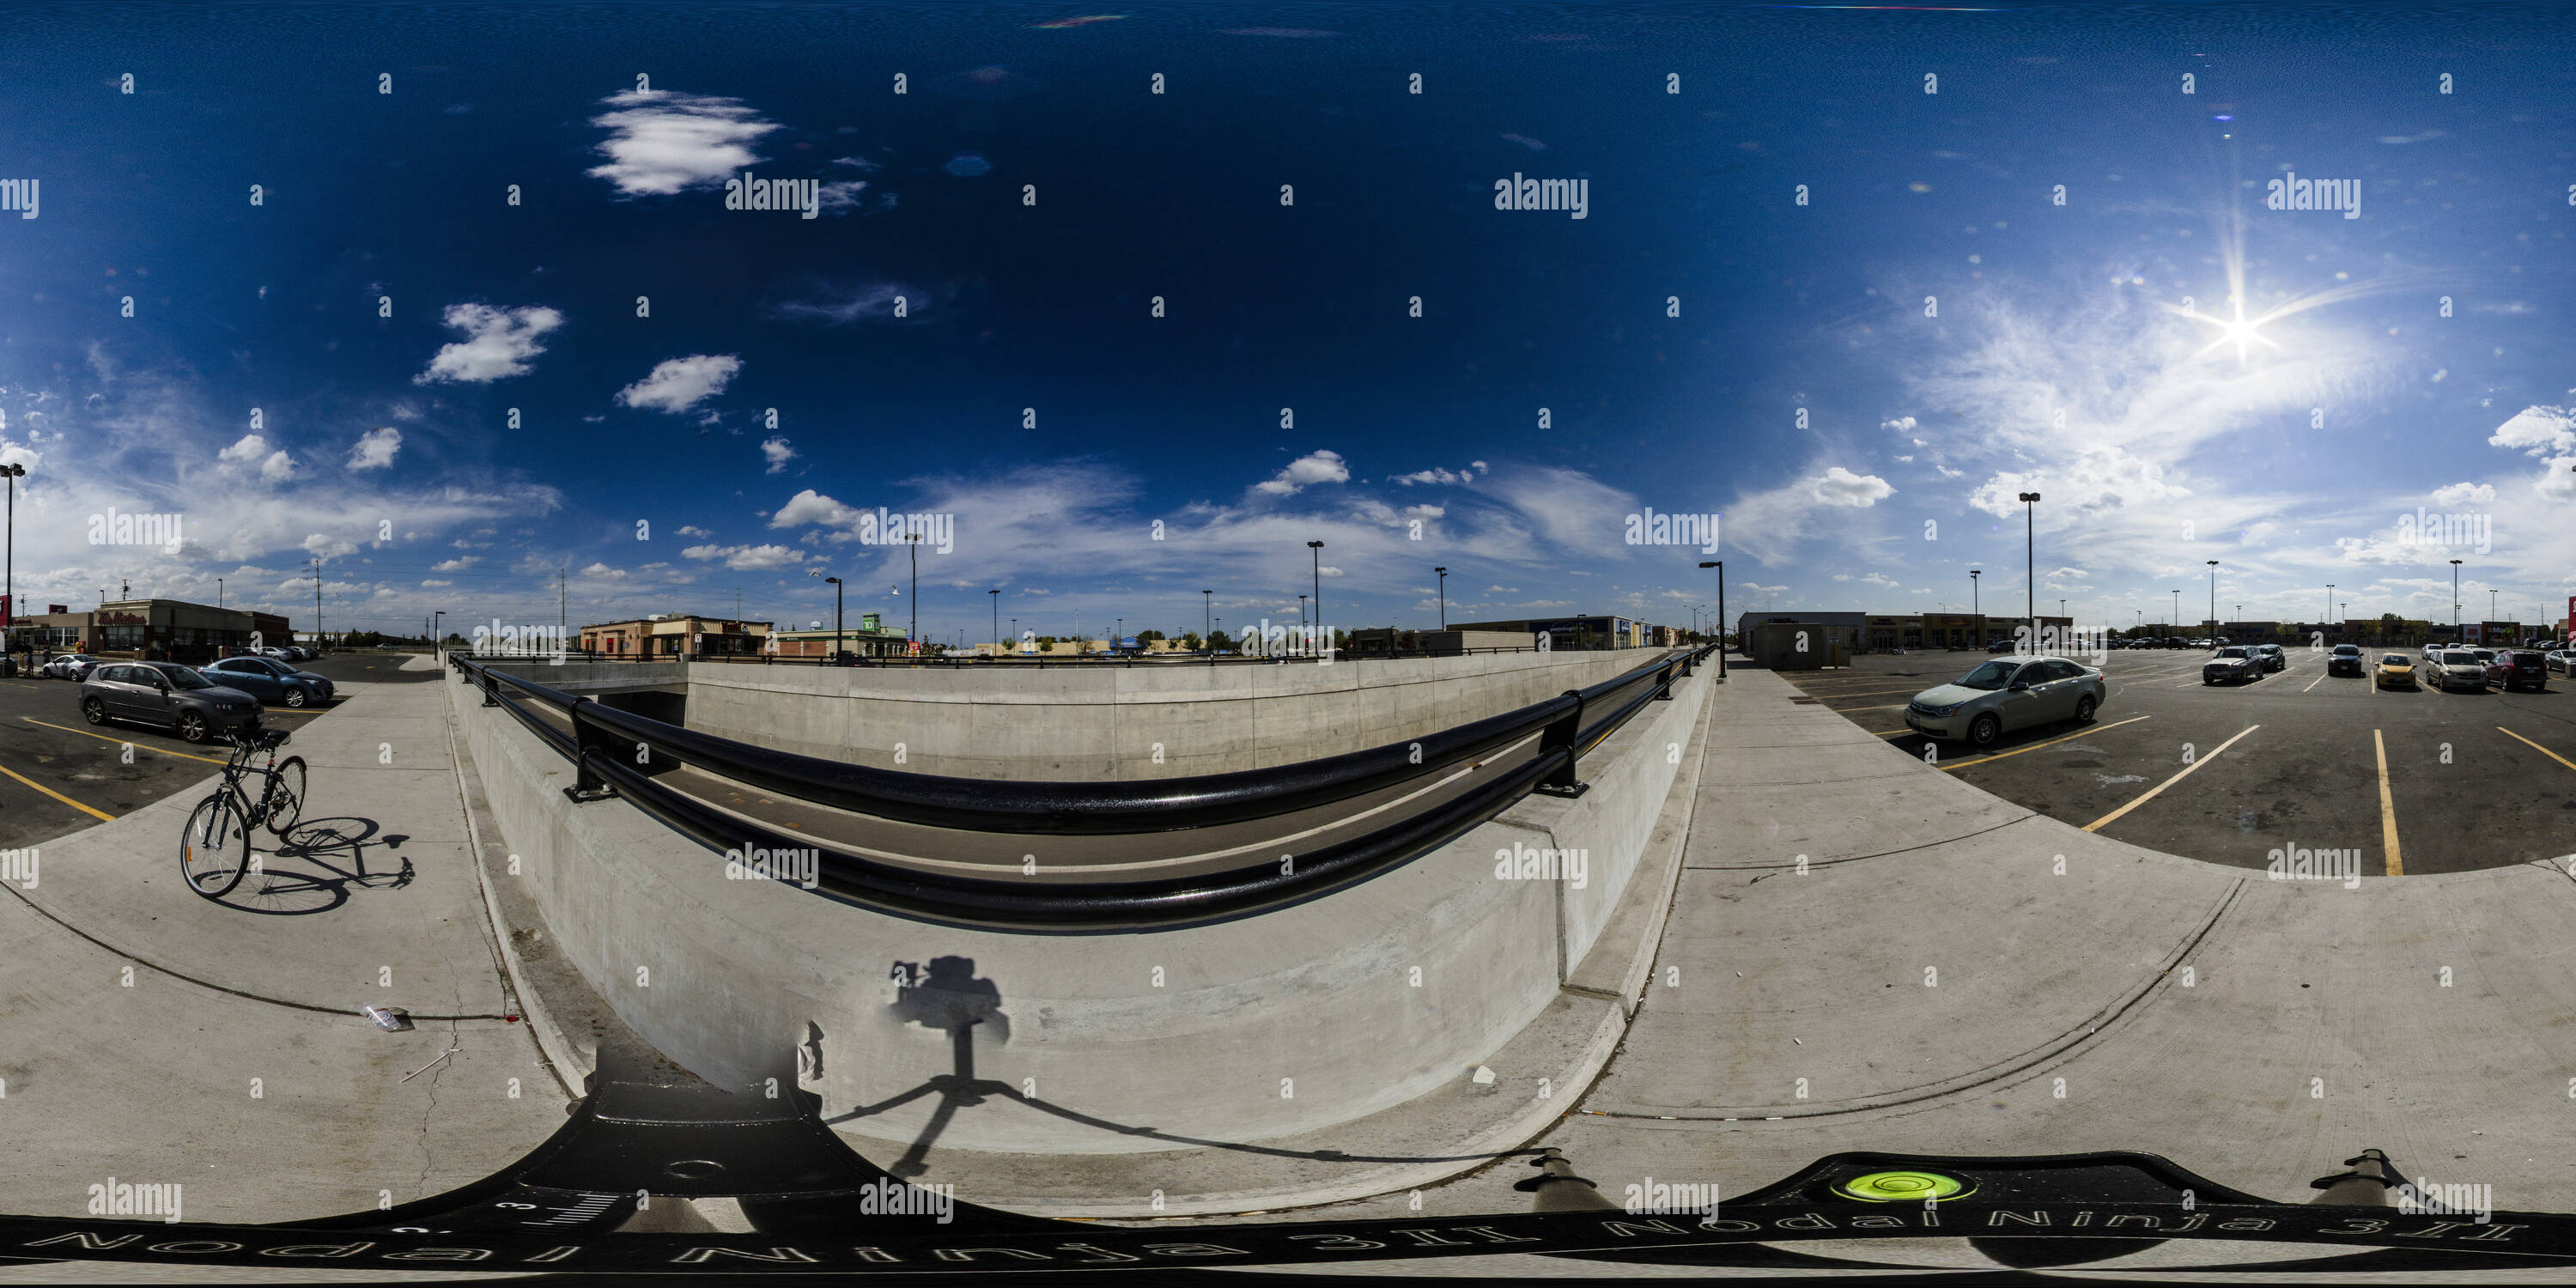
(1218, 641)
(1190, 640)
(1148, 637)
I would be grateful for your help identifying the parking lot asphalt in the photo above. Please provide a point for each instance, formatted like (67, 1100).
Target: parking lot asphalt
(59, 774)
(2416, 781)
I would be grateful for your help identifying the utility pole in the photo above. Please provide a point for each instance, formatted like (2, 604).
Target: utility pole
(317, 605)
(912, 543)
(2030, 565)
(1444, 597)
(2213, 596)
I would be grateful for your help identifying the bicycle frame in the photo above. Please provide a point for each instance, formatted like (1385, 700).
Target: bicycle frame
(236, 767)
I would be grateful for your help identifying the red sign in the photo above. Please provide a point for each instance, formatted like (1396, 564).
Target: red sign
(4, 612)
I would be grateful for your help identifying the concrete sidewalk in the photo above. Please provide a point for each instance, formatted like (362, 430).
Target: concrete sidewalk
(155, 1035)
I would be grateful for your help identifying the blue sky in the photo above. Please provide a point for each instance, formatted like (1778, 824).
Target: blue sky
(2057, 356)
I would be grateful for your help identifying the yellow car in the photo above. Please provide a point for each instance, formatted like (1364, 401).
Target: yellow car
(2396, 671)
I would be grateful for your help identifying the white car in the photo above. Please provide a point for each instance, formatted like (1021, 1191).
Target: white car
(2455, 668)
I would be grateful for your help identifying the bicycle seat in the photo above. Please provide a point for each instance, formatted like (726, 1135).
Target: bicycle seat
(263, 739)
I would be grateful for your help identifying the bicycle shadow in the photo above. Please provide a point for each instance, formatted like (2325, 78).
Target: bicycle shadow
(316, 864)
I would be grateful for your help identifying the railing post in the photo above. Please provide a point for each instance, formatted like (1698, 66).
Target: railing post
(491, 689)
(1561, 735)
(1664, 684)
(590, 741)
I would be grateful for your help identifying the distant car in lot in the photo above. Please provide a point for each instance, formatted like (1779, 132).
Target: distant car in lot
(2007, 694)
(168, 694)
(2272, 657)
(2562, 662)
(270, 680)
(2002, 646)
(2346, 660)
(2519, 668)
(2456, 668)
(2234, 664)
(70, 666)
(2396, 671)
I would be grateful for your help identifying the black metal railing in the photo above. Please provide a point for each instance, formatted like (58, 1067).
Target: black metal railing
(604, 744)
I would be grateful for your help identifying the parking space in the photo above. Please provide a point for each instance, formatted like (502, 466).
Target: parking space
(2413, 781)
(59, 773)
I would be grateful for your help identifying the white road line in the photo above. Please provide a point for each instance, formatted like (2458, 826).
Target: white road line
(2152, 792)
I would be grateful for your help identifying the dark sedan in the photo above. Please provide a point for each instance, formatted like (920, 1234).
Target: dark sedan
(165, 693)
(270, 680)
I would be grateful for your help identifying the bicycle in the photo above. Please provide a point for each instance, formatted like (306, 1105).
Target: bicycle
(222, 823)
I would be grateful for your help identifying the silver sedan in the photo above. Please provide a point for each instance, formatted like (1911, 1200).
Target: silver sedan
(2005, 694)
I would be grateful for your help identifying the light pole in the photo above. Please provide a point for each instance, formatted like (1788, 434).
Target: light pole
(12, 471)
(1318, 548)
(912, 543)
(2030, 564)
(1720, 566)
(1444, 597)
(997, 623)
(2213, 597)
(433, 631)
(1301, 611)
(1207, 624)
(2455, 601)
(219, 594)
(836, 619)
(1976, 604)
(2491, 605)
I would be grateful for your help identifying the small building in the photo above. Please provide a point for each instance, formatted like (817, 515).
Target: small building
(677, 635)
(171, 629)
(870, 638)
(1578, 632)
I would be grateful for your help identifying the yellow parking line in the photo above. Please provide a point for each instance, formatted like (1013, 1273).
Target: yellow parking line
(2535, 746)
(2387, 809)
(1890, 706)
(121, 741)
(104, 818)
(2090, 729)
(2152, 792)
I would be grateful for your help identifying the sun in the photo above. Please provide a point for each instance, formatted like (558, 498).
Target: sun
(2240, 331)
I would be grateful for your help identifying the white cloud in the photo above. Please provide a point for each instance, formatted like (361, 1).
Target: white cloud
(1328, 570)
(689, 531)
(661, 142)
(1840, 486)
(681, 383)
(1901, 425)
(602, 572)
(433, 585)
(323, 547)
(456, 565)
(375, 449)
(1875, 580)
(249, 447)
(497, 343)
(2537, 431)
(2463, 494)
(747, 558)
(778, 453)
(1319, 466)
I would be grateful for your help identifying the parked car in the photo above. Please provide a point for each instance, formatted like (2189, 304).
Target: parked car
(2519, 668)
(2002, 646)
(2007, 694)
(270, 680)
(2396, 671)
(70, 666)
(2234, 664)
(2272, 657)
(2346, 660)
(2562, 662)
(2457, 668)
(166, 693)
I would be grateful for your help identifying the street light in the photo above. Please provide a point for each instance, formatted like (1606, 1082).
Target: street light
(1444, 597)
(12, 471)
(837, 636)
(2213, 597)
(1318, 548)
(2030, 565)
(1207, 624)
(2177, 613)
(1720, 566)
(1977, 604)
(433, 631)
(997, 622)
(2455, 601)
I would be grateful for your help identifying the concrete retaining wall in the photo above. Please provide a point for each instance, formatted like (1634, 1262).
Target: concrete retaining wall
(1292, 1021)
(1107, 723)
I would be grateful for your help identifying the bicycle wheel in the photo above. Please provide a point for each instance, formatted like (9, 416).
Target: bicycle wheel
(286, 795)
(214, 849)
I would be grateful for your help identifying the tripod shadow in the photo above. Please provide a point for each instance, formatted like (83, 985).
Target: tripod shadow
(315, 866)
(948, 996)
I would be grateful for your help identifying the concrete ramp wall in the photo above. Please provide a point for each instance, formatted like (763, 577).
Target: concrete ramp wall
(1110, 722)
(1293, 1021)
